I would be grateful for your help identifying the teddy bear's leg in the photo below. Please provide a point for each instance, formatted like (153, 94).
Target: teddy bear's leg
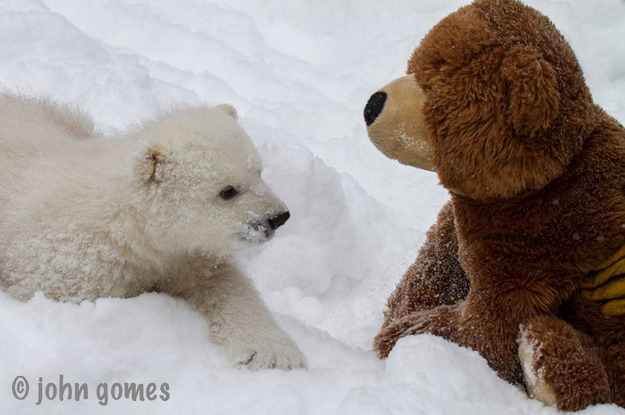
(435, 278)
(562, 366)
(615, 365)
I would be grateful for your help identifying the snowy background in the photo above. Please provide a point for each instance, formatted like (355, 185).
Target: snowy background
(299, 73)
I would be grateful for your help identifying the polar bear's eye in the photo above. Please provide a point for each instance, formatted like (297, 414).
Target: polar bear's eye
(228, 193)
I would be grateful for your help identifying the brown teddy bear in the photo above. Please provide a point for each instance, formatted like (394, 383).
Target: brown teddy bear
(496, 104)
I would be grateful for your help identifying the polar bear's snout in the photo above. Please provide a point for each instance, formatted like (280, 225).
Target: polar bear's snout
(262, 230)
(278, 220)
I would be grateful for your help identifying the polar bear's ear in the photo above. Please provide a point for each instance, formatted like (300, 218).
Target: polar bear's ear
(228, 109)
(533, 89)
(148, 162)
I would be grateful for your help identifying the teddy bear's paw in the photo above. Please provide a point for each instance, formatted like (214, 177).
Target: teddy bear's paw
(385, 340)
(267, 353)
(439, 321)
(561, 366)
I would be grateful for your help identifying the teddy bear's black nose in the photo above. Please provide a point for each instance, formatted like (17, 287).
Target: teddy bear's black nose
(374, 107)
(280, 219)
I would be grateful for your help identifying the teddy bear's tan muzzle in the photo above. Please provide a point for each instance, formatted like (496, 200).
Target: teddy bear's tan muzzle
(395, 123)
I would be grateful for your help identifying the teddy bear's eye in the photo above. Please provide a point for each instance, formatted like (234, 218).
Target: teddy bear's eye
(228, 193)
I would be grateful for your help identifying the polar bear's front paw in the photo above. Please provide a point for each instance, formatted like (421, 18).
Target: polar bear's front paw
(267, 354)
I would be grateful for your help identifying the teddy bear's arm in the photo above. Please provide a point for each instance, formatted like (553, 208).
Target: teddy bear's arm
(435, 278)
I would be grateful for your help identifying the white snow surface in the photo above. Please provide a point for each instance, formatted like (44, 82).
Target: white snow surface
(299, 72)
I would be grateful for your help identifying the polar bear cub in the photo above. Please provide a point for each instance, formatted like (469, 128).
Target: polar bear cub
(161, 208)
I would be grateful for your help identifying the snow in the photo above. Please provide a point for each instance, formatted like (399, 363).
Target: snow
(299, 73)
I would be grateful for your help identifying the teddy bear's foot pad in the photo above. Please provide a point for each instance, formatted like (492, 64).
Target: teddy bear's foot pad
(537, 387)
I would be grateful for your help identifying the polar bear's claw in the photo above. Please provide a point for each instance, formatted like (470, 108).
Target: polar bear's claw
(283, 355)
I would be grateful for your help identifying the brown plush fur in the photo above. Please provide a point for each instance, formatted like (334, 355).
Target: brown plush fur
(536, 173)
(583, 380)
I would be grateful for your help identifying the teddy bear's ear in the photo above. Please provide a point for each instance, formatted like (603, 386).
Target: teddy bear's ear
(534, 99)
(148, 162)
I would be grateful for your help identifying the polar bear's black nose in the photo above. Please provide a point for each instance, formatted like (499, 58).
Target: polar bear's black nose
(374, 107)
(280, 219)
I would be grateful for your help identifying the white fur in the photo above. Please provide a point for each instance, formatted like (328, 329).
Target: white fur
(84, 216)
